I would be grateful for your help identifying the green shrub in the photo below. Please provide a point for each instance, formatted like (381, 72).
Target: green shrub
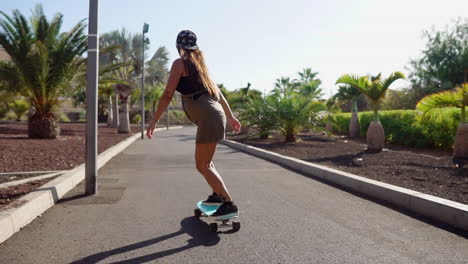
(76, 116)
(341, 122)
(259, 114)
(178, 117)
(440, 126)
(3, 110)
(19, 107)
(407, 127)
(64, 118)
(401, 127)
(10, 116)
(136, 119)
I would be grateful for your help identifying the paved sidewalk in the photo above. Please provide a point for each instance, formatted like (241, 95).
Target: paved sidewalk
(143, 213)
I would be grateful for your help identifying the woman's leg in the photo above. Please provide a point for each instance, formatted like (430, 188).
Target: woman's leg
(203, 157)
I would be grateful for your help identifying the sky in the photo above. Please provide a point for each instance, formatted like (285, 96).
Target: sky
(259, 41)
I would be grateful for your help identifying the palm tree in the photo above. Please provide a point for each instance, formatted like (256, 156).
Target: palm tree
(260, 113)
(452, 98)
(308, 85)
(292, 110)
(156, 75)
(106, 81)
(153, 95)
(44, 62)
(284, 87)
(239, 100)
(345, 93)
(106, 58)
(374, 88)
(129, 51)
(156, 68)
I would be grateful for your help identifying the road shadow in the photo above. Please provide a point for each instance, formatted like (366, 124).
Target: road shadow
(197, 229)
(185, 138)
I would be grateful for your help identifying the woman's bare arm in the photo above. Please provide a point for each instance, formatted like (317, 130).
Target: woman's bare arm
(225, 105)
(235, 124)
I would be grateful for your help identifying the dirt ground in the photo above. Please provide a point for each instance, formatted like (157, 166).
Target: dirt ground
(10, 194)
(20, 153)
(424, 170)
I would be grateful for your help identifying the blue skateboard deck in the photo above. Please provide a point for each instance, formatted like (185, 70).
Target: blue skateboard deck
(207, 209)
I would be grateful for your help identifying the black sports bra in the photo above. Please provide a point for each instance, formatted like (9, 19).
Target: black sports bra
(186, 86)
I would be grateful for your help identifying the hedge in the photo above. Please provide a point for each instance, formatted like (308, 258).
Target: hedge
(408, 127)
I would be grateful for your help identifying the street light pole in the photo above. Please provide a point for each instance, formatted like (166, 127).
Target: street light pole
(145, 30)
(91, 99)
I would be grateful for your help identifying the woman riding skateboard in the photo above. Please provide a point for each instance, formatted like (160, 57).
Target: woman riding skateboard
(205, 106)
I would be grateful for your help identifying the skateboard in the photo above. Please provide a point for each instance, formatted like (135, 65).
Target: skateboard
(207, 210)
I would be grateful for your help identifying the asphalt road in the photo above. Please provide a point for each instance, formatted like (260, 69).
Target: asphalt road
(144, 213)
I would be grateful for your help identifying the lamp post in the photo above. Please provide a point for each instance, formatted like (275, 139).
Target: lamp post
(91, 99)
(144, 41)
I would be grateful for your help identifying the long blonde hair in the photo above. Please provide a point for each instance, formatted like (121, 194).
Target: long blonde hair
(197, 70)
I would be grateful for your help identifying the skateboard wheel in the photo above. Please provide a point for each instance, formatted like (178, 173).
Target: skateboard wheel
(197, 212)
(236, 226)
(213, 227)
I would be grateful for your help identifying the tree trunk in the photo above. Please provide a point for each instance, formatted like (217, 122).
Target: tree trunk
(375, 136)
(124, 123)
(354, 130)
(43, 126)
(290, 137)
(30, 112)
(460, 148)
(115, 108)
(110, 111)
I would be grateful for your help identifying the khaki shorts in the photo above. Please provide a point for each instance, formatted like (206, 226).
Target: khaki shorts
(208, 114)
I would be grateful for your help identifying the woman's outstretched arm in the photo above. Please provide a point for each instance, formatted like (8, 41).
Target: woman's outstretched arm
(171, 86)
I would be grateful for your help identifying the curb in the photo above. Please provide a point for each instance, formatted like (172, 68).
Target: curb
(36, 178)
(23, 211)
(439, 209)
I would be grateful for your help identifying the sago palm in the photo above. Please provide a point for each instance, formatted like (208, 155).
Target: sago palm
(44, 62)
(292, 110)
(260, 113)
(452, 98)
(374, 88)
